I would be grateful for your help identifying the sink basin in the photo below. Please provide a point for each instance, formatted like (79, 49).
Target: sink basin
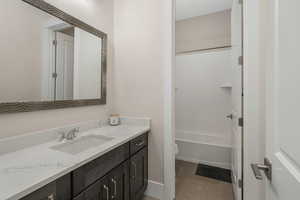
(82, 144)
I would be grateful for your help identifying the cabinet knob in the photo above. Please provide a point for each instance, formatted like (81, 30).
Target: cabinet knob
(140, 143)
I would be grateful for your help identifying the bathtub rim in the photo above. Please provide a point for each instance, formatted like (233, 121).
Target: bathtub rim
(204, 143)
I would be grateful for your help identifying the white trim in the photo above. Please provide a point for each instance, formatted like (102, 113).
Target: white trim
(199, 142)
(169, 99)
(155, 190)
(49, 56)
(77, 38)
(201, 137)
(254, 133)
(205, 162)
(48, 64)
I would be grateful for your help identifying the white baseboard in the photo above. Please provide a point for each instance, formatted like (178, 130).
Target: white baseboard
(155, 190)
(196, 161)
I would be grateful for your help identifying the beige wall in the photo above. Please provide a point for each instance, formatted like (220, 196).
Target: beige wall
(21, 69)
(98, 13)
(203, 32)
(138, 70)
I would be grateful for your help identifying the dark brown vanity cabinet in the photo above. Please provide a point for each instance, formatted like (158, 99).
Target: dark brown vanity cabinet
(119, 180)
(120, 174)
(113, 186)
(139, 174)
(57, 190)
(94, 192)
(94, 170)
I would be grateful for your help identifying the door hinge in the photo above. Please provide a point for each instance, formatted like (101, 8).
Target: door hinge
(54, 42)
(241, 122)
(240, 183)
(54, 75)
(241, 60)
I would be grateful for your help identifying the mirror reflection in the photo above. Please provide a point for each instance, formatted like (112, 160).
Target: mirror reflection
(43, 58)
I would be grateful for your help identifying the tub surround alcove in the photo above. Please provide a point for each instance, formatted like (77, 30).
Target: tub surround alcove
(29, 162)
(203, 132)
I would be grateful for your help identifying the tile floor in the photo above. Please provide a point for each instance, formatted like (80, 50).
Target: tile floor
(193, 187)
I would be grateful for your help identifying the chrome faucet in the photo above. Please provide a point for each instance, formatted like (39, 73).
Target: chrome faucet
(70, 135)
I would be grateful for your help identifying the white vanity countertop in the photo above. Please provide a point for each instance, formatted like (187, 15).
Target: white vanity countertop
(26, 170)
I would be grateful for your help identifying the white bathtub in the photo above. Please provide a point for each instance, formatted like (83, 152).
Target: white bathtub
(206, 149)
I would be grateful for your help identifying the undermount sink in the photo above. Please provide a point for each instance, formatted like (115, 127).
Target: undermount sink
(82, 144)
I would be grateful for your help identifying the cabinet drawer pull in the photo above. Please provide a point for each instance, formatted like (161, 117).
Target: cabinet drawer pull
(51, 197)
(115, 188)
(140, 143)
(107, 191)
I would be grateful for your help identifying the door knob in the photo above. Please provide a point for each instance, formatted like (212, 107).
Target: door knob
(230, 116)
(266, 167)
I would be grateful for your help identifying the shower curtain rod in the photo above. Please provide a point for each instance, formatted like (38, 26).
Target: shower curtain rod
(208, 49)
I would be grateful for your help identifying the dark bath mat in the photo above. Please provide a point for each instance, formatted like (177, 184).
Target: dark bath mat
(214, 172)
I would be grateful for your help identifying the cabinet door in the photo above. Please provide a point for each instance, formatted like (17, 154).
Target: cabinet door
(139, 174)
(119, 182)
(98, 191)
(88, 174)
(46, 193)
(57, 190)
(114, 186)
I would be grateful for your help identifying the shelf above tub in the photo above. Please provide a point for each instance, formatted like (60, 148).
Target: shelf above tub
(226, 86)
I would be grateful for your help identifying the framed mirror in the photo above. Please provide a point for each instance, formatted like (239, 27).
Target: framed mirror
(49, 59)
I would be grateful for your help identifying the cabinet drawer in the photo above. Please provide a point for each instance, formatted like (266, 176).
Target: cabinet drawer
(138, 143)
(57, 190)
(91, 172)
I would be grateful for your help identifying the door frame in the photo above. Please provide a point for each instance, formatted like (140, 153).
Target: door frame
(169, 100)
(169, 111)
(238, 120)
(253, 142)
(48, 66)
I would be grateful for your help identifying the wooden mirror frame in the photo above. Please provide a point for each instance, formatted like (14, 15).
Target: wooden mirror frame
(15, 107)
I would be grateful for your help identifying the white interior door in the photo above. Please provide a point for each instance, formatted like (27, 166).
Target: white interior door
(283, 101)
(64, 66)
(237, 72)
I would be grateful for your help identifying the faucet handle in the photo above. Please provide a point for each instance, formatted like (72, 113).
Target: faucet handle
(74, 131)
(62, 135)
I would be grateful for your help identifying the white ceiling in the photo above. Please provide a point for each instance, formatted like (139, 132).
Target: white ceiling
(193, 8)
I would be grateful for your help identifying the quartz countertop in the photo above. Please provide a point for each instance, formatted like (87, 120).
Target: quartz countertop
(25, 170)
